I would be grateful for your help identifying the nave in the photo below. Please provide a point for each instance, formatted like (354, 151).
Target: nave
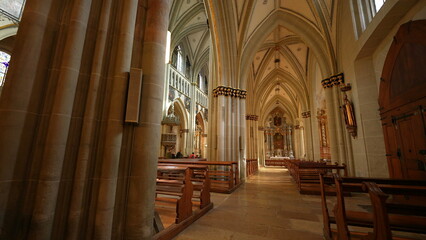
(266, 206)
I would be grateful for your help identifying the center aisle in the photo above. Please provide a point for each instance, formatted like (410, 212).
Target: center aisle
(267, 206)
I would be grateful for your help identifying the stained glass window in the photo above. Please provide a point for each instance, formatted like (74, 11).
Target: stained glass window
(4, 65)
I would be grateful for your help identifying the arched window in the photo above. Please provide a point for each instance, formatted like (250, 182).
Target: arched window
(4, 65)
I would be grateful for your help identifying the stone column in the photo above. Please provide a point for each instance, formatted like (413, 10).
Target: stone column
(290, 140)
(249, 138)
(141, 198)
(121, 62)
(242, 138)
(256, 138)
(228, 131)
(59, 124)
(309, 137)
(220, 128)
(20, 102)
(331, 126)
(88, 128)
(339, 126)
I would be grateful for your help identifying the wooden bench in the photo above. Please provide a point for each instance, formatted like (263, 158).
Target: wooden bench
(348, 217)
(200, 180)
(224, 176)
(252, 167)
(399, 216)
(179, 186)
(306, 174)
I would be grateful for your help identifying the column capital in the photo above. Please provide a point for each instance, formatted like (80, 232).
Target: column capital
(306, 114)
(334, 80)
(229, 92)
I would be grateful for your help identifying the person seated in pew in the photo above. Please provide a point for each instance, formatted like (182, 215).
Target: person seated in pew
(179, 155)
(192, 155)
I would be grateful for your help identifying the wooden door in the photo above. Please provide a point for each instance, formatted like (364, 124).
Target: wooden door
(410, 132)
(402, 102)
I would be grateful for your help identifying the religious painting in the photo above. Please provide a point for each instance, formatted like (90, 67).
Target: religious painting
(277, 121)
(278, 141)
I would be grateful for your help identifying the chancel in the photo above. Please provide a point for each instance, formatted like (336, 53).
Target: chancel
(210, 119)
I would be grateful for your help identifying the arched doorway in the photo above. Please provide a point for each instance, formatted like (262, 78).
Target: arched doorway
(402, 102)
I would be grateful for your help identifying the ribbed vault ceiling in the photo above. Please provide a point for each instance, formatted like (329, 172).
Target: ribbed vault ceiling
(189, 27)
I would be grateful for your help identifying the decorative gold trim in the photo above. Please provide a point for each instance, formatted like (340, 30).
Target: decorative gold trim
(306, 114)
(229, 92)
(335, 80)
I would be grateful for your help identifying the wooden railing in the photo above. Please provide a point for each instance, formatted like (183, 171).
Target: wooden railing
(224, 176)
(252, 167)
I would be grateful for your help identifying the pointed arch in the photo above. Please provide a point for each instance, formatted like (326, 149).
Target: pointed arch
(310, 35)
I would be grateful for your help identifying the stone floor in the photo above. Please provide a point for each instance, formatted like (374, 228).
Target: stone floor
(267, 206)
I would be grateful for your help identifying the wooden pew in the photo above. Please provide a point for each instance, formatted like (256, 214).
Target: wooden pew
(409, 218)
(306, 174)
(224, 176)
(252, 167)
(200, 180)
(346, 217)
(176, 185)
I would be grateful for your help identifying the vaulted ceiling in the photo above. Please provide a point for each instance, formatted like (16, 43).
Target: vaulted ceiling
(277, 42)
(189, 28)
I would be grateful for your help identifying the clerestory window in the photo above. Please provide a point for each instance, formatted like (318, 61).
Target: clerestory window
(363, 11)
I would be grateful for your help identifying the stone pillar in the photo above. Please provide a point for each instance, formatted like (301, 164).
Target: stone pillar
(59, 124)
(121, 62)
(229, 133)
(255, 138)
(339, 126)
(331, 126)
(290, 140)
(20, 109)
(88, 128)
(249, 148)
(309, 137)
(141, 198)
(242, 137)
(220, 128)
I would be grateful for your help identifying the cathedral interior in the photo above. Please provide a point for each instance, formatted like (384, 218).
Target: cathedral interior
(101, 99)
